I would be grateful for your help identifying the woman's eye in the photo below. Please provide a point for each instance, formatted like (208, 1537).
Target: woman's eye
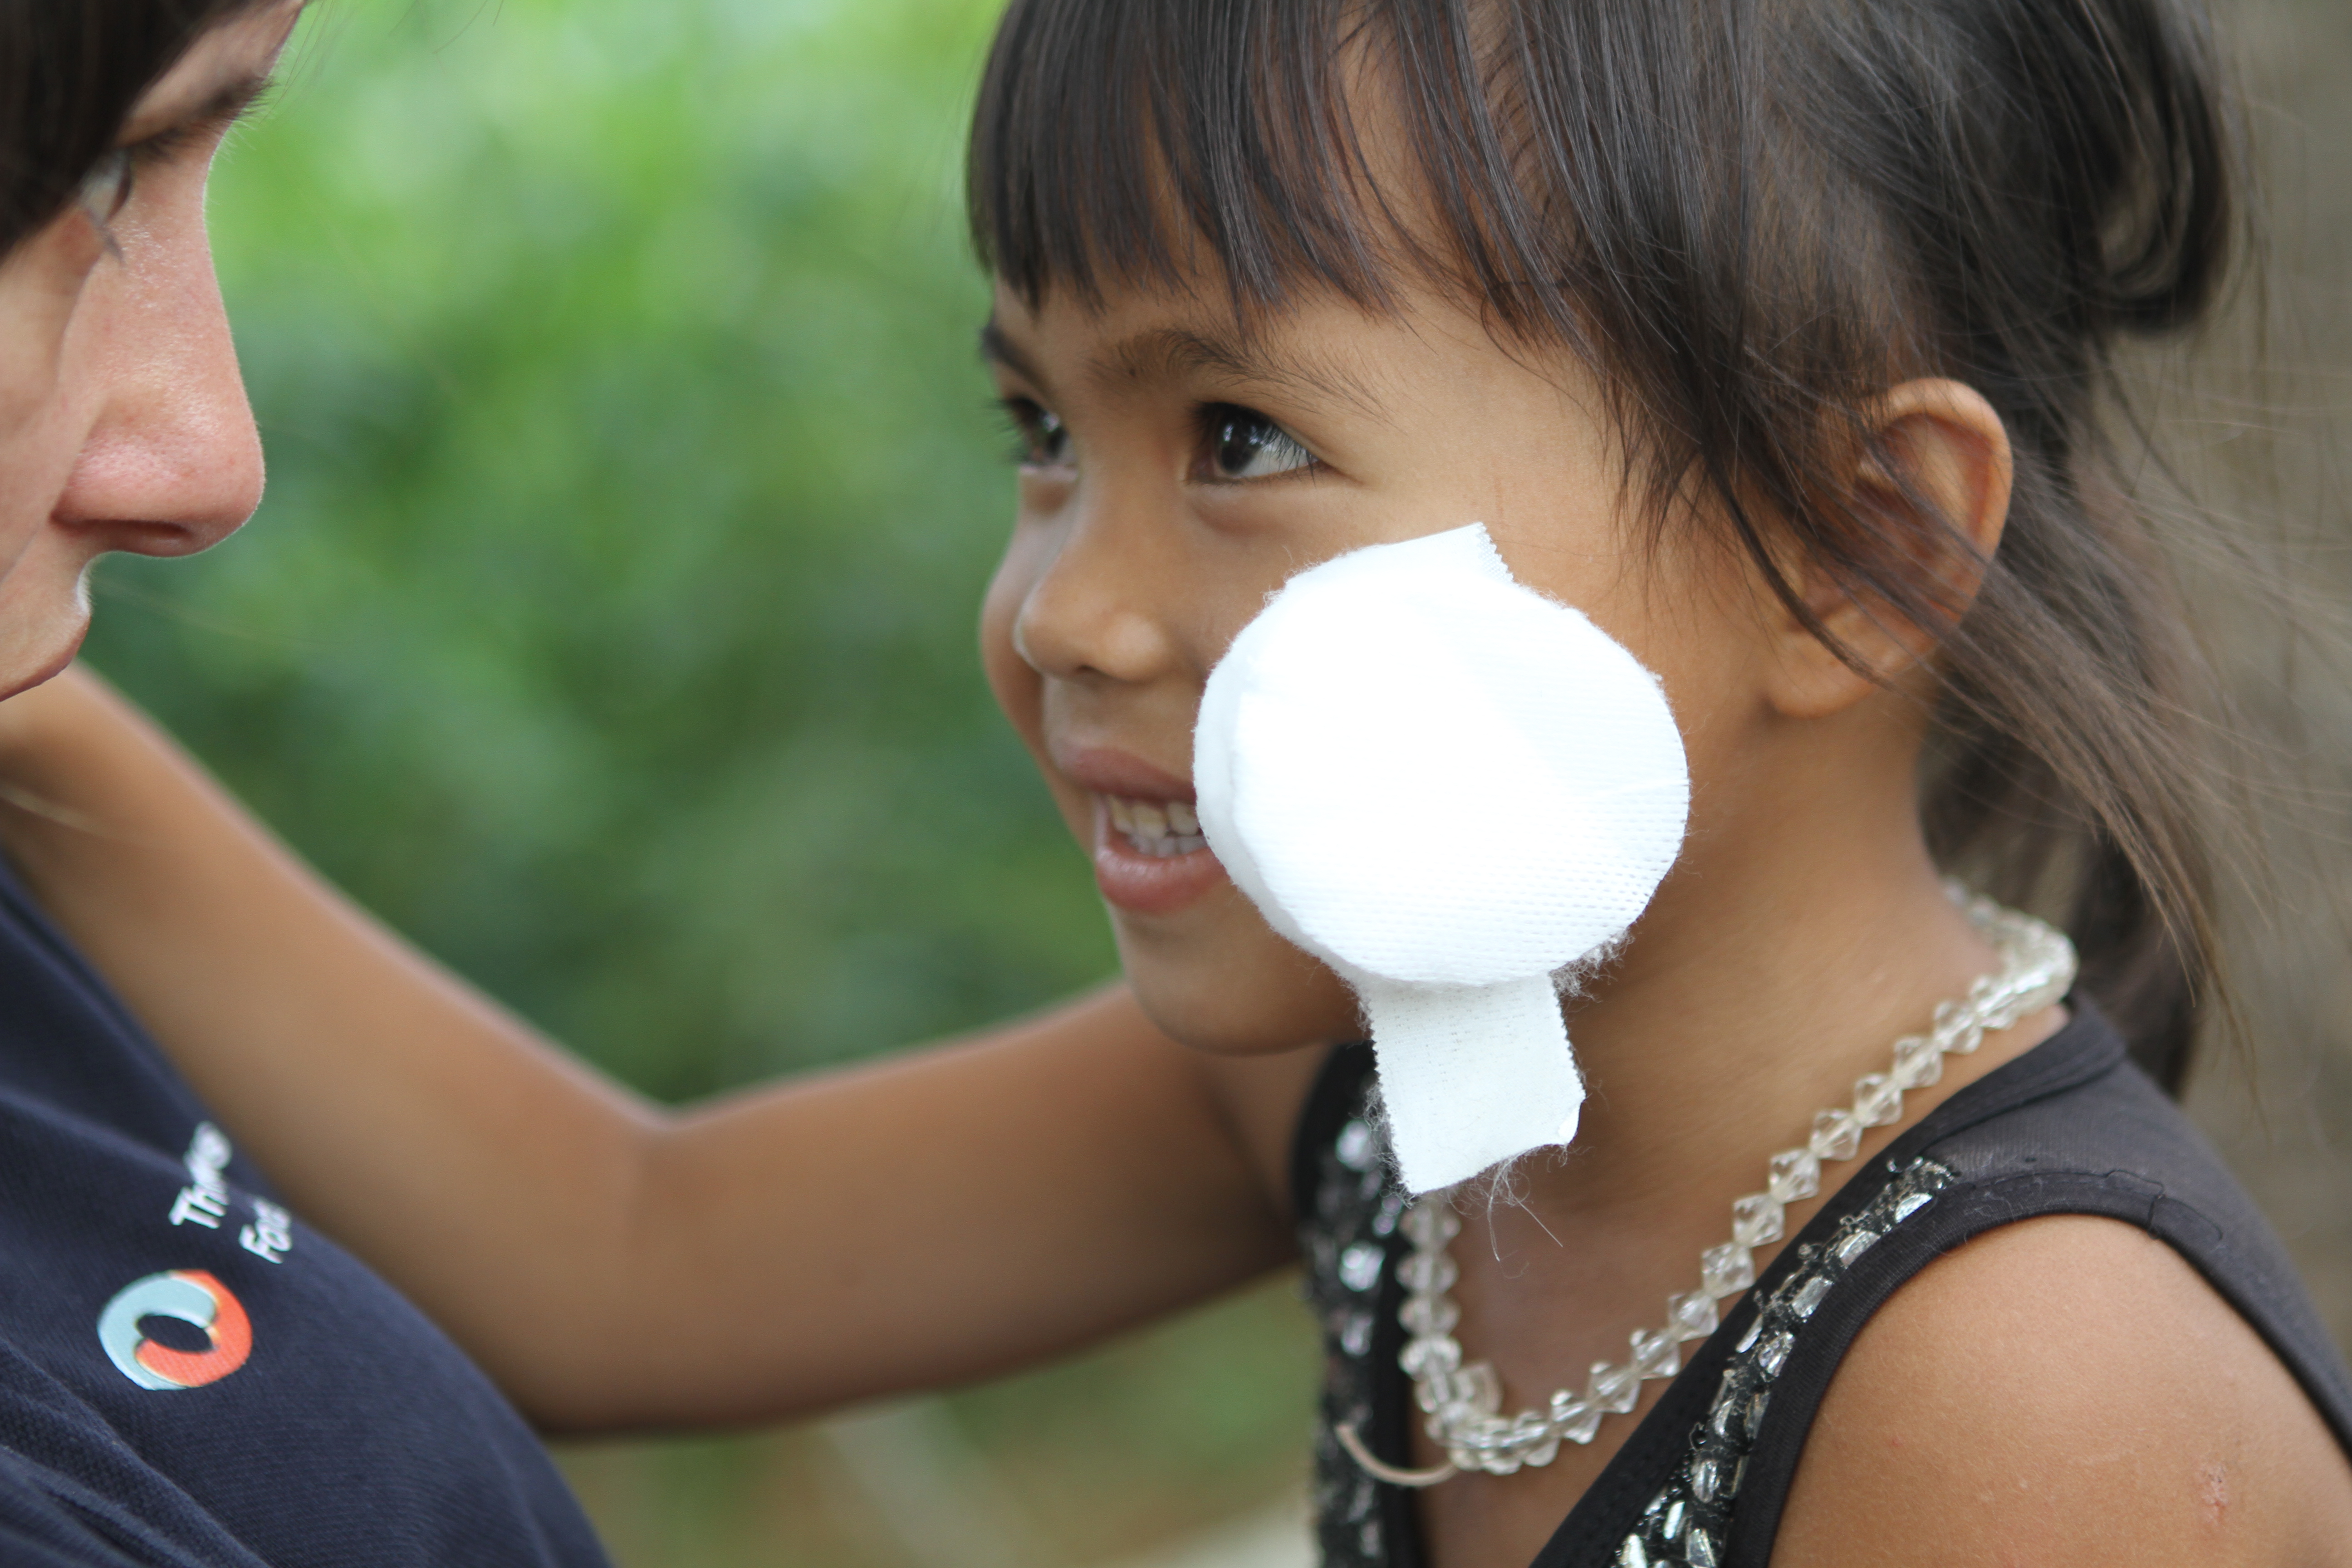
(1044, 442)
(1246, 445)
(106, 189)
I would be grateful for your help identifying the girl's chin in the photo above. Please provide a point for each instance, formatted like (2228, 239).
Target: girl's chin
(1251, 994)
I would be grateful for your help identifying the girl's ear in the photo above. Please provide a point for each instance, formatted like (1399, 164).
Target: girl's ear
(1933, 447)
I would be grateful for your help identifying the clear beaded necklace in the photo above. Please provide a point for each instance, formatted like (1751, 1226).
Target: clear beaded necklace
(1462, 1400)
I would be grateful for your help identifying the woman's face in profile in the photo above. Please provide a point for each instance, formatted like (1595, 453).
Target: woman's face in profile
(124, 422)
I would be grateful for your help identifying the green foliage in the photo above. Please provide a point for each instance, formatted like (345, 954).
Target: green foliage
(608, 627)
(609, 624)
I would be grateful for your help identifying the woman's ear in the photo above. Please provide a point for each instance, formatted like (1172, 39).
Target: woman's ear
(1933, 472)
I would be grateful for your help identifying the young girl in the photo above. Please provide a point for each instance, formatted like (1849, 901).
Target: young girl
(1775, 339)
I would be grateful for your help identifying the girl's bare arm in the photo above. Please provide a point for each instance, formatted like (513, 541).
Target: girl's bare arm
(2069, 1390)
(944, 1215)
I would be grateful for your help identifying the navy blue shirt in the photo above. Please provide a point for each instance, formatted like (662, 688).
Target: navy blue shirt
(189, 1375)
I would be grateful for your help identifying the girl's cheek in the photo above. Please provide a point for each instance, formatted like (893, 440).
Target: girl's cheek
(1042, 496)
(1018, 688)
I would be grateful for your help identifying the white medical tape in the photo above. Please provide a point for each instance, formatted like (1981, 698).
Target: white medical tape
(1448, 787)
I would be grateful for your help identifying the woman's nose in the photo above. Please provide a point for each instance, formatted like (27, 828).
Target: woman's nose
(172, 463)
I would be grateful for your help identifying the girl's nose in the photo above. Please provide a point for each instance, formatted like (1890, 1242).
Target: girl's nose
(171, 463)
(1087, 615)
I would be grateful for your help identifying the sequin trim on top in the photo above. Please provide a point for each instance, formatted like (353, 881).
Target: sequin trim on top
(1351, 1242)
(1689, 1522)
(1463, 1398)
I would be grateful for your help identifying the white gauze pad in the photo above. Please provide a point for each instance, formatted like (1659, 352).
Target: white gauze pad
(1447, 787)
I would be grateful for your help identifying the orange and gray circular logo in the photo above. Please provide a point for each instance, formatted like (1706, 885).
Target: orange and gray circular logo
(193, 1296)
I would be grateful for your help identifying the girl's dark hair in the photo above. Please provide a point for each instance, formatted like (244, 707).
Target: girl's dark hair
(1751, 217)
(70, 72)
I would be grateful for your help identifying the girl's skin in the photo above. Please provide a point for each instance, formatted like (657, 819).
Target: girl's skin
(2063, 1390)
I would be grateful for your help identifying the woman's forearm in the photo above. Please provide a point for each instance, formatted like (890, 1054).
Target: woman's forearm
(946, 1215)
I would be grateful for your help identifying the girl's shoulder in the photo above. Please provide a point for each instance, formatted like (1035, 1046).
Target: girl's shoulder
(2065, 1388)
(2053, 1319)
(2047, 1307)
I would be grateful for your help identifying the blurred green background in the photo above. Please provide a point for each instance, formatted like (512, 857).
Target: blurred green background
(609, 625)
(609, 628)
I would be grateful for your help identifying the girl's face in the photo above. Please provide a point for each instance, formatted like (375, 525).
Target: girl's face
(1176, 472)
(123, 423)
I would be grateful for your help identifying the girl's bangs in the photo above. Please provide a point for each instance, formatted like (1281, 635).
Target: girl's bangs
(1142, 144)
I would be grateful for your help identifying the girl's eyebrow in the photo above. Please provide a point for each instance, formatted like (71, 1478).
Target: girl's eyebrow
(1162, 350)
(998, 348)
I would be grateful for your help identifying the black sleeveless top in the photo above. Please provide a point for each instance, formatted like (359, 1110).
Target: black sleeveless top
(2071, 1127)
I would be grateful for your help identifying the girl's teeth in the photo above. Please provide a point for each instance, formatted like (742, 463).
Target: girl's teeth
(1160, 829)
(1167, 849)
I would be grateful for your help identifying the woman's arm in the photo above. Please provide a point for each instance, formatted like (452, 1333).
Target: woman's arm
(942, 1215)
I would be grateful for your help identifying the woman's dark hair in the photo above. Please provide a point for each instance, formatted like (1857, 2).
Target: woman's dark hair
(70, 72)
(1751, 217)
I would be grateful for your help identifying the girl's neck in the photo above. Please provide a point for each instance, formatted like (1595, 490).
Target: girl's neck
(1781, 962)
(1768, 976)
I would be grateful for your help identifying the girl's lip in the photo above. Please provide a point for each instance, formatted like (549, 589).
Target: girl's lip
(1105, 771)
(1149, 885)
(1144, 884)
(1129, 880)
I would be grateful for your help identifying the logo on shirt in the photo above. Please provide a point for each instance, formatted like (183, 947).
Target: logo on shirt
(193, 1296)
(205, 1199)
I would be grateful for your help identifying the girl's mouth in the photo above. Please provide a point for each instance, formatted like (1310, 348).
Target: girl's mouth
(1151, 857)
(1159, 830)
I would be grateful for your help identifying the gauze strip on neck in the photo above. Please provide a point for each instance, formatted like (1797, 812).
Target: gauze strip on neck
(1448, 788)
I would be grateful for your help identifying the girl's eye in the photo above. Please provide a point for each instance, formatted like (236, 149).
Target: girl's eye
(1246, 445)
(1044, 442)
(106, 189)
